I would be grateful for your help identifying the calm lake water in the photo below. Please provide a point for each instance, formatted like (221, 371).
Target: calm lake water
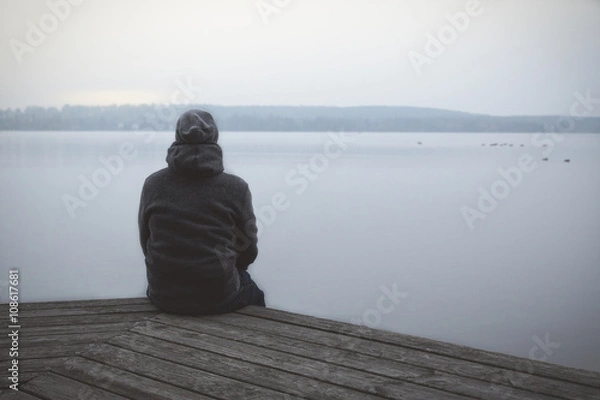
(344, 222)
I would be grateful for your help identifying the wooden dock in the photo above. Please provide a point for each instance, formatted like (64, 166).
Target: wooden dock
(127, 349)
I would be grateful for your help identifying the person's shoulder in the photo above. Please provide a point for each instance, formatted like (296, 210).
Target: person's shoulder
(234, 180)
(236, 186)
(157, 176)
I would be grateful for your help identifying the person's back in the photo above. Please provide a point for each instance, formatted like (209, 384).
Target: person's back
(197, 227)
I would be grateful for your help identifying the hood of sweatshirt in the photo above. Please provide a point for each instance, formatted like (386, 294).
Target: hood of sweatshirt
(195, 159)
(196, 126)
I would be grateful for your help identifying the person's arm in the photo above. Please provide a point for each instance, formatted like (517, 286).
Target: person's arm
(247, 227)
(143, 223)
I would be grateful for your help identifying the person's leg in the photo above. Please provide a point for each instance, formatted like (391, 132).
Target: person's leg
(250, 293)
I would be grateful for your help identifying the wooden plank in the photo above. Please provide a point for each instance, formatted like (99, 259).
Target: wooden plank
(16, 395)
(272, 378)
(199, 381)
(23, 377)
(538, 368)
(51, 305)
(423, 373)
(122, 382)
(30, 331)
(36, 365)
(510, 379)
(47, 351)
(466, 386)
(289, 352)
(84, 319)
(311, 368)
(57, 387)
(27, 376)
(88, 310)
(26, 340)
(31, 368)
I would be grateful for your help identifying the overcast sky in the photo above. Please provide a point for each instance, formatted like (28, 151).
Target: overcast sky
(514, 57)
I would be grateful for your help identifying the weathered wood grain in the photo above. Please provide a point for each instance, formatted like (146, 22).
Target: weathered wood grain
(37, 365)
(248, 372)
(29, 330)
(16, 395)
(539, 368)
(26, 314)
(57, 387)
(513, 380)
(31, 368)
(427, 376)
(84, 337)
(126, 348)
(52, 305)
(466, 386)
(176, 374)
(84, 319)
(26, 352)
(310, 368)
(123, 383)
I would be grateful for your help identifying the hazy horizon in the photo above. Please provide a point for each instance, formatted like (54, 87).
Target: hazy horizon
(59, 107)
(313, 53)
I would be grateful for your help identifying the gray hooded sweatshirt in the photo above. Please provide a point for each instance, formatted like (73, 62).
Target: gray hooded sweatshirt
(196, 222)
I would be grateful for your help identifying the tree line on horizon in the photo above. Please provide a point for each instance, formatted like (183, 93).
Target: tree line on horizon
(284, 118)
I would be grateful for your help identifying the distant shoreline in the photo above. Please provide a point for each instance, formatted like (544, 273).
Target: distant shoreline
(84, 131)
(288, 119)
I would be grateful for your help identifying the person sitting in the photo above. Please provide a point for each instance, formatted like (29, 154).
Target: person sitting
(197, 227)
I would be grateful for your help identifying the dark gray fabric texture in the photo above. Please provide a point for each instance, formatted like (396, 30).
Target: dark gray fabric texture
(197, 228)
(196, 126)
